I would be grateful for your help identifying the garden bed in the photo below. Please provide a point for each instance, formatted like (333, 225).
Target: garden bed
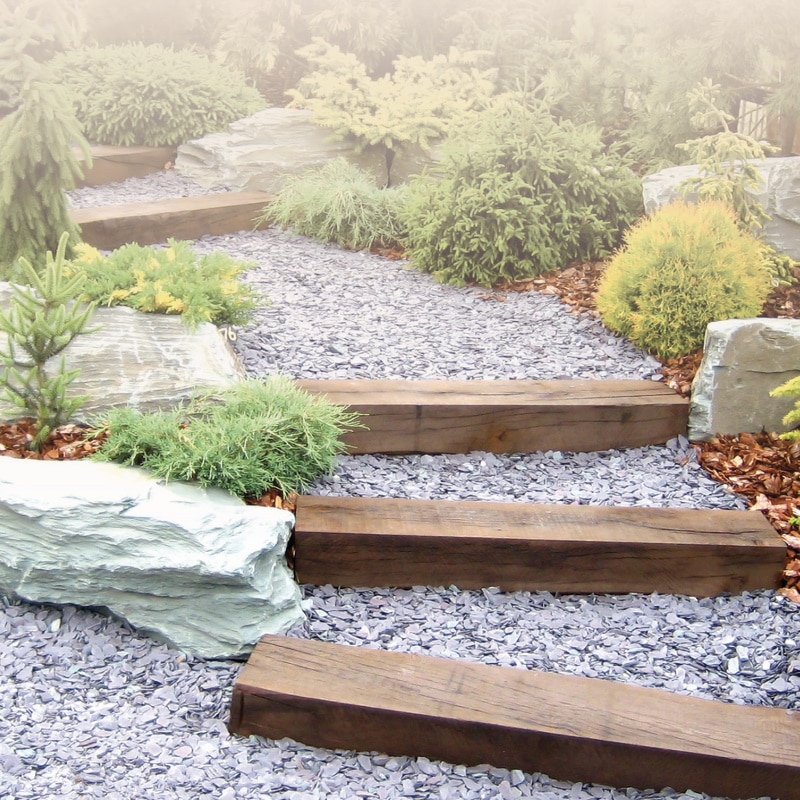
(165, 729)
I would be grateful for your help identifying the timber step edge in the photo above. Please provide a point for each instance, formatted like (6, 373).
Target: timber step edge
(368, 542)
(111, 164)
(107, 227)
(571, 728)
(506, 416)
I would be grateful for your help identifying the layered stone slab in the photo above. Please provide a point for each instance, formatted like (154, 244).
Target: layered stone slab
(148, 361)
(194, 567)
(779, 194)
(260, 151)
(743, 361)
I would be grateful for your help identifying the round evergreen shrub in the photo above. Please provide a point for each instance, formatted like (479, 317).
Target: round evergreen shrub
(150, 94)
(519, 194)
(680, 269)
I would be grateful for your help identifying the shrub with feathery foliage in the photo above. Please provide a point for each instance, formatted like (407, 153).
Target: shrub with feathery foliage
(520, 194)
(255, 436)
(171, 280)
(680, 269)
(150, 94)
(790, 389)
(42, 319)
(338, 203)
(37, 162)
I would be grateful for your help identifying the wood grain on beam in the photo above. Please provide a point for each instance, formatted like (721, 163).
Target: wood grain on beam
(505, 416)
(348, 541)
(112, 164)
(571, 728)
(107, 227)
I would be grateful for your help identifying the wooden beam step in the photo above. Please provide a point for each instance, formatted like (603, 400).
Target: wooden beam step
(112, 164)
(506, 416)
(571, 728)
(362, 542)
(107, 227)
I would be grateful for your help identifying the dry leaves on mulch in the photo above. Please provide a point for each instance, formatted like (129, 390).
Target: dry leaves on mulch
(65, 443)
(765, 469)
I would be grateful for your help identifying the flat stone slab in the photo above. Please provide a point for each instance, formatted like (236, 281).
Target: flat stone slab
(743, 361)
(148, 361)
(197, 568)
(260, 151)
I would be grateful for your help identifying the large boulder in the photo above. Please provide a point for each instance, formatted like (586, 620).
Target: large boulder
(148, 361)
(259, 152)
(197, 568)
(743, 361)
(779, 194)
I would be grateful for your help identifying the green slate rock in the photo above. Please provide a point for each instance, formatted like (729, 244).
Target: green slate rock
(779, 195)
(194, 567)
(149, 361)
(260, 151)
(743, 361)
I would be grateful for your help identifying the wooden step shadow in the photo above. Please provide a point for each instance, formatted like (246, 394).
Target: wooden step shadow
(506, 416)
(111, 164)
(571, 728)
(107, 227)
(348, 541)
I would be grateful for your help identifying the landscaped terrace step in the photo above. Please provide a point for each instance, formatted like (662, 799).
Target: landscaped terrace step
(151, 222)
(572, 728)
(111, 164)
(362, 542)
(506, 416)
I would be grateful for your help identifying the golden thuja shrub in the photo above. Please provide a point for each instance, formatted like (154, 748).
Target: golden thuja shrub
(678, 270)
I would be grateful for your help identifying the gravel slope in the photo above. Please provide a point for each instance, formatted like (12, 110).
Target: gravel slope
(93, 709)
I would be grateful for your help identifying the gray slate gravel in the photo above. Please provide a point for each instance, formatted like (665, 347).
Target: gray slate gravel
(348, 314)
(156, 186)
(91, 709)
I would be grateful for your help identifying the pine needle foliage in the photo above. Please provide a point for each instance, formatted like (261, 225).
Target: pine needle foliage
(37, 162)
(338, 203)
(255, 436)
(727, 171)
(520, 194)
(170, 280)
(725, 160)
(150, 94)
(42, 319)
(679, 270)
(790, 389)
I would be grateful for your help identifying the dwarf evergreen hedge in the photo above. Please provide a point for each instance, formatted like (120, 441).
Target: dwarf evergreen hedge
(169, 280)
(150, 94)
(520, 194)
